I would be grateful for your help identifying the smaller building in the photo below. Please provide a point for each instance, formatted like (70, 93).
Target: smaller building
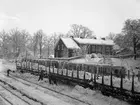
(66, 47)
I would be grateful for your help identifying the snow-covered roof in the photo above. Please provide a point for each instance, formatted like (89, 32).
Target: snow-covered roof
(70, 43)
(94, 41)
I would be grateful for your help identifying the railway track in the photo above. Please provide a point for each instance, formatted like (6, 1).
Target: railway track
(4, 87)
(21, 94)
(5, 99)
(106, 91)
(73, 98)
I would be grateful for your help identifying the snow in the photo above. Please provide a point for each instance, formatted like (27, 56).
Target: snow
(94, 41)
(85, 94)
(90, 96)
(35, 93)
(4, 65)
(70, 43)
(11, 97)
(3, 102)
(128, 64)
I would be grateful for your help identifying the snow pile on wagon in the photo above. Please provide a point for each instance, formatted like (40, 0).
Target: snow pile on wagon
(98, 59)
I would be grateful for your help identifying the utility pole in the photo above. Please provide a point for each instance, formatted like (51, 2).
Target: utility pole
(26, 53)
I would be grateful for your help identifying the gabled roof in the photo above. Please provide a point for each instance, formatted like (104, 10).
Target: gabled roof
(70, 43)
(94, 41)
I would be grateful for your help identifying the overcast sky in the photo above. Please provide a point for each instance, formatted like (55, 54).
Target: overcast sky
(101, 16)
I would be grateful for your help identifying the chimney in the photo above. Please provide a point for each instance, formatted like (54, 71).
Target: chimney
(103, 38)
(71, 36)
(94, 37)
(81, 37)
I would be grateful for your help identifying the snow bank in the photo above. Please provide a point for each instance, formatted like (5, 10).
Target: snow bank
(5, 65)
(82, 90)
(91, 96)
(94, 97)
(2, 67)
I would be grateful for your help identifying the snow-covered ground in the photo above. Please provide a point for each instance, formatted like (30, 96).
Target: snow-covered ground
(4, 65)
(34, 92)
(3, 102)
(85, 94)
(30, 91)
(11, 98)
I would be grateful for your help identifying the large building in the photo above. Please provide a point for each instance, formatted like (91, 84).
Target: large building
(69, 47)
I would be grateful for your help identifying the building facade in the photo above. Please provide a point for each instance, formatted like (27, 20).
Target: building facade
(102, 49)
(69, 47)
(66, 47)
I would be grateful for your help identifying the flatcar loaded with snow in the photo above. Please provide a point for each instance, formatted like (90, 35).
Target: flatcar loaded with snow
(111, 80)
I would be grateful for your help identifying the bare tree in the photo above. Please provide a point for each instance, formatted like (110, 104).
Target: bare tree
(131, 30)
(16, 39)
(5, 43)
(80, 31)
(111, 36)
(20, 39)
(38, 41)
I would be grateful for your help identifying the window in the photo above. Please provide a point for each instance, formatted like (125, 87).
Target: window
(107, 50)
(58, 47)
(56, 54)
(100, 49)
(93, 49)
(62, 46)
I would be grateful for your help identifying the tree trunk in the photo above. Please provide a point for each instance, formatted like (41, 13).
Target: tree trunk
(40, 50)
(134, 47)
(48, 50)
(34, 51)
(40, 44)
